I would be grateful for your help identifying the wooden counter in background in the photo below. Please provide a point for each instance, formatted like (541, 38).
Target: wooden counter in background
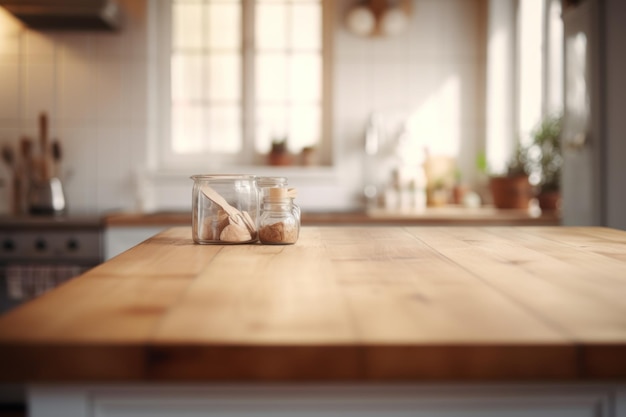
(449, 215)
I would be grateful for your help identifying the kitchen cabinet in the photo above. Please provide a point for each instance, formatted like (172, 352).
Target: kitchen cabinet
(385, 320)
(125, 230)
(120, 239)
(331, 401)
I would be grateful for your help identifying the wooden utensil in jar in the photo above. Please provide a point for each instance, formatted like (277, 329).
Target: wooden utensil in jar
(44, 160)
(241, 227)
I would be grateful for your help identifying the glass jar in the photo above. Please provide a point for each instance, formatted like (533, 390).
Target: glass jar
(267, 183)
(278, 224)
(224, 209)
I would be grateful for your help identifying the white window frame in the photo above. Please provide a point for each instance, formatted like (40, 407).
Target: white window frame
(161, 159)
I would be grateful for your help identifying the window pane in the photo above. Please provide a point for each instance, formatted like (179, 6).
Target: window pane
(305, 77)
(301, 124)
(530, 66)
(304, 127)
(187, 25)
(208, 84)
(224, 25)
(307, 26)
(224, 129)
(271, 77)
(187, 128)
(271, 26)
(187, 74)
(224, 77)
(271, 123)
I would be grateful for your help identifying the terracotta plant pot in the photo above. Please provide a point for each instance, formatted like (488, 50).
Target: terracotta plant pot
(549, 200)
(511, 192)
(279, 159)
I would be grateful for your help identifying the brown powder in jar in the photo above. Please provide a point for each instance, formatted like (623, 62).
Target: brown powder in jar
(278, 233)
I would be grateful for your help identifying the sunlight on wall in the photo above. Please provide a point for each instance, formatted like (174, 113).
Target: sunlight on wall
(8, 27)
(437, 124)
(499, 93)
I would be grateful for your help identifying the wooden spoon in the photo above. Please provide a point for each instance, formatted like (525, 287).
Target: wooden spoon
(235, 216)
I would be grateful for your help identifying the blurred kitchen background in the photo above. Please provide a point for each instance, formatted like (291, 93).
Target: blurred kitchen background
(376, 111)
(362, 97)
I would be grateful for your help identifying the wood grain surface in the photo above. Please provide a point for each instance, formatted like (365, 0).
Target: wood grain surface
(445, 215)
(350, 303)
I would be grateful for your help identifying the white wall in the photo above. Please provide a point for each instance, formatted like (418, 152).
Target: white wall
(94, 85)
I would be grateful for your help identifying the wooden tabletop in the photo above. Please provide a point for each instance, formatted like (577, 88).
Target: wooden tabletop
(342, 304)
(445, 215)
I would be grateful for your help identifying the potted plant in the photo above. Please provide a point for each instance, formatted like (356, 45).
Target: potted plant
(512, 190)
(548, 162)
(279, 154)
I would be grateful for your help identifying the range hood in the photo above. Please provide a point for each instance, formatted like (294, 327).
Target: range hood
(66, 14)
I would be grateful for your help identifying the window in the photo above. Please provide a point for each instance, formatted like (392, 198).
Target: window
(242, 74)
(540, 57)
(531, 61)
(525, 50)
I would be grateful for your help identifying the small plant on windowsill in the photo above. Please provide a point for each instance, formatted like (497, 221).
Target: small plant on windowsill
(279, 154)
(548, 162)
(308, 156)
(512, 190)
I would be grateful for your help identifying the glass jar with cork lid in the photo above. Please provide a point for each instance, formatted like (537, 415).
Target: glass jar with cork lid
(266, 183)
(279, 223)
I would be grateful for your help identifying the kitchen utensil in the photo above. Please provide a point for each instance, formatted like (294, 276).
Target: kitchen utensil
(236, 216)
(26, 160)
(57, 155)
(8, 156)
(46, 197)
(44, 162)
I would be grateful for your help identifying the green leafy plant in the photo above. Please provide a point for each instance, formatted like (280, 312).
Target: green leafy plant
(279, 145)
(481, 163)
(549, 160)
(520, 163)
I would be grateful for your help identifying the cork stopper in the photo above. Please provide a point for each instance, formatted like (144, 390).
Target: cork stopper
(277, 192)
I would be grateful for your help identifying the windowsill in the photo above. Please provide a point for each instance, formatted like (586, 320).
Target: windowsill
(320, 188)
(295, 174)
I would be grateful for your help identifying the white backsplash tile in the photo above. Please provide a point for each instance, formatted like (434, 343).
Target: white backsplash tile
(112, 46)
(76, 45)
(77, 90)
(80, 163)
(39, 46)
(112, 89)
(10, 91)
(115, 190)
(39, 92)
(138, 95)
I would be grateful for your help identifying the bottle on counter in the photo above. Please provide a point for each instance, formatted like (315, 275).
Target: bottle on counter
(279, 223)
